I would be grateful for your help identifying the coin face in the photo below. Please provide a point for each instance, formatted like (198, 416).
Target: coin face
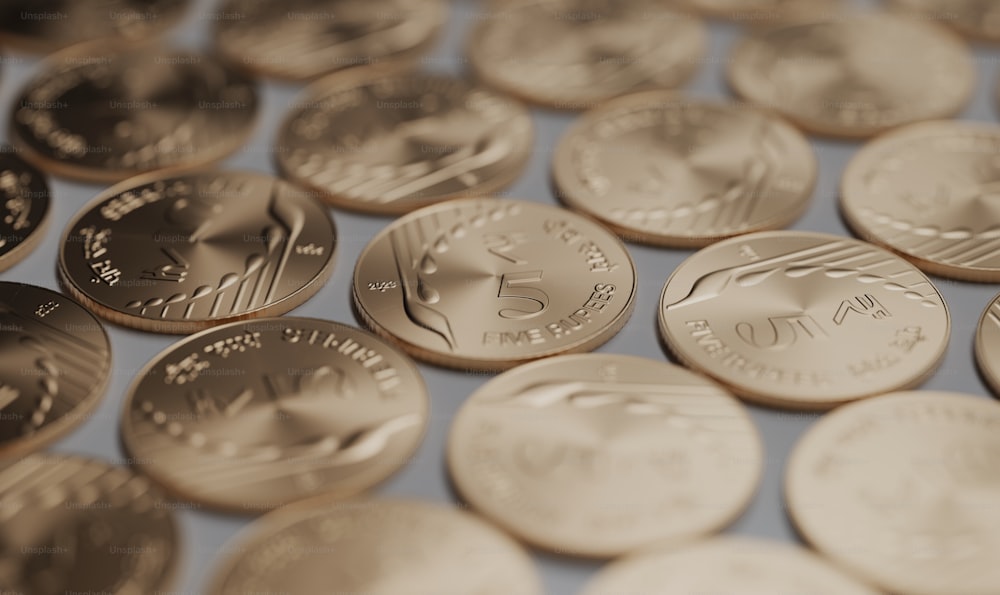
(486, 284)
(663, 169)
(598, 455)
(571, 54)
(988, 344)
(804, 320)
(251, 415)
(24, 207)
(979, 19)
(54, 365)
(762, 11)
(855, 75)
(376, 547)
(49, 25)
(303, 39)
(176, 254)
(76, 525)
(902, 490)
(928, 191)
(725, 566)
(102, 112)
(391, 144)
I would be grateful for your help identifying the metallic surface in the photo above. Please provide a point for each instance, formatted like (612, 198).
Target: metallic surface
(54, 364)
(663, 169)
(599, 455)
(978, 19)
(391, 144)
(49, 25)
(757, 12)
(252, 415)
(104, 112)
(571, 54)
(176, 254)
(79, 525)
(844, 77)
(304, 39)
(902, 489)
(376, 547)
(987, 344)
(486, 284)
(804, 320)
(24, 207)
(725, 566)
(928, 191)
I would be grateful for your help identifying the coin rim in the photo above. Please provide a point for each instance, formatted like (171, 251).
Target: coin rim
(35, 235)
(989, 372)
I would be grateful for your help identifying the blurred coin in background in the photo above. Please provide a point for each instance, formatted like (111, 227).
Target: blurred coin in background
(978, 19)
(24, 207)
(987, 344)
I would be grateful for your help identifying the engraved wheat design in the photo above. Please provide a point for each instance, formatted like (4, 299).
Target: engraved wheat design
(957, 247)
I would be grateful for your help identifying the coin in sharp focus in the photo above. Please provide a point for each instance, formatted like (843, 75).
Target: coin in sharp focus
(571, 54)
(486, 284)
(725, 566)
(759, 12)
(902, 490)
(663, 169)
(391, 144)
(376, 547)
(177, 254)
(804, 320)
(599, 455)
(928, 192)
(24, 207)
(75, 525)
(105, 112)
(304, 39)
(252, 415)
(978, 19)
(56, 359)
(987, 344)
(855, 75)
(49, 25)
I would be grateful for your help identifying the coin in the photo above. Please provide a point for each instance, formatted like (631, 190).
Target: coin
(391, 144)
(571, 54)
(725, 566)
(762, 11)
(303, 39)
(177, 254)
(49, 25)
(55, 365)
(486, 284)
(662, 169)
(24, 207)
(105, 112)
(376, 547)
(902, 490)
(855, 75)
(598, 455)
(252, 415)
(988, 344)
(76, 525)
(804, 320)
(927, 191)
(978, 19)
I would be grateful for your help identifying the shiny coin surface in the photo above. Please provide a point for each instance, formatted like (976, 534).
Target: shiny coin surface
(54, 364)
(855, 75)
(979, 19)
(902, 490)
(24, 207)
(928, 191)
(599, 455)
(103, 113)
(303, 39)
(725, 566)
(486, 284)
(376, 547)
(662, 169)
(251, 415)
(75, 525)
(48, 25)
(392, 144)
(571, 54)
(176, 254)
(804, 320)
(756, 12)
(988, 344)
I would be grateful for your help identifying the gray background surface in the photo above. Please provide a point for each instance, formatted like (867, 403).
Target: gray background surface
(205, 534)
